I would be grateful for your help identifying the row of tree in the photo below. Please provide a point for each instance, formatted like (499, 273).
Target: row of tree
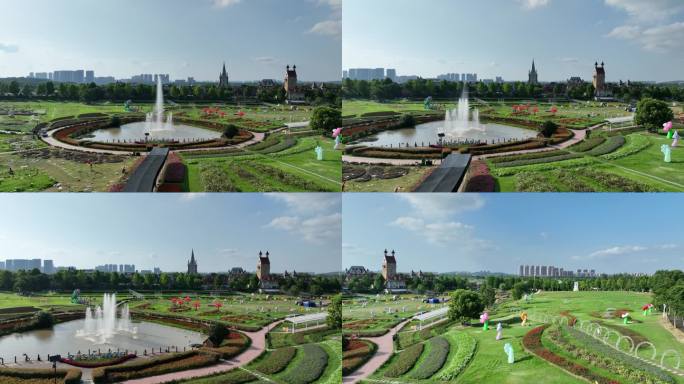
(90, 93)
(442, 89)
(68, 280)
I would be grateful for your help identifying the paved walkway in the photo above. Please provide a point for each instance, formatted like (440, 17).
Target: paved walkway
(385, 350)
(258, 346)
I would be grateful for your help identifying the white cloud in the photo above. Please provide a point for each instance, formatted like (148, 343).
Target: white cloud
(569, 60)
(327, 28)
(192, 196)
(662, 38)
(225, 3)
(668, 246)
(534, 4)
(309, 202)
(8, 48)
(436, 232)
(648, 10)
(265, 59)
(442, 205)
(317, 229)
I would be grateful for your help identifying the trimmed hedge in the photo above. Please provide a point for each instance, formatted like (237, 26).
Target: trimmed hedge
(15, 375)
(434, 361)
(155, 366)
(404, 361)
(276, 361)
(310, 367)
(465, 350)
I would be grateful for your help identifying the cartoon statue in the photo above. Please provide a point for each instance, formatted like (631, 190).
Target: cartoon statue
(427, 104)
(523, 317)
(319, 153)
(675, 140)
(76, 297)
(508, 348)
(484, 319)
(625, 318)
(667, 151)
(499, 331)
(337, 135)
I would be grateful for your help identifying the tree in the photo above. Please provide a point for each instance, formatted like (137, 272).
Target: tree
(334, 319)
(217, 333)
(465, 305)
(549, 128)
(231, 131)
(488, 296)
(652, 114)
(50, 88)
(115, 121)
(519, 289)
(326, 119)
(44, 320)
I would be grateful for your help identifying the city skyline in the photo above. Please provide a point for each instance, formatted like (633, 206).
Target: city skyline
(307, 33)
(458, 233)
(636, 40)
(301, 231)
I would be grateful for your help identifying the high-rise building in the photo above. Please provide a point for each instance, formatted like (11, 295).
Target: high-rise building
(378, 74)
(90, 77)
(2, 265)
(391, 74)
(48, 267)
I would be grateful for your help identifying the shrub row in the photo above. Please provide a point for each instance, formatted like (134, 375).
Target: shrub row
(480, 180)
(433, 362)
(277, 360)
(526, 156)
(587, 144)
(635, 144)
(509, 171)
(18, 376)
(465, 350)
(611, 145)
(155, 366)
(352, 360)
(310, 367)
(532, 342)
(404, 361)
(542, 160)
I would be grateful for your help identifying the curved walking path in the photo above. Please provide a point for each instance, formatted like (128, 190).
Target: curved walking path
(257, 347)
(385, 350)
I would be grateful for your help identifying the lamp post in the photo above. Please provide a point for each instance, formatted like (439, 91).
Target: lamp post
(54, 359)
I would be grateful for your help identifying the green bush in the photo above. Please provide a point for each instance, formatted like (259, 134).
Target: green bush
(652, 114)
(217, 333)
(433, 362)
(230, 131)
(310, 367)
(466, 346)
(276, 361)
(18, 376)
(404, 361)
(44, 320)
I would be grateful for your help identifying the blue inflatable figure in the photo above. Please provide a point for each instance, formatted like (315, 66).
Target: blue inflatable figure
(508, 348)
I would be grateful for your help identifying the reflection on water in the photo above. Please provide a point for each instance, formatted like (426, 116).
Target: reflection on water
(62, 340)
(136, 131)
(425, 134)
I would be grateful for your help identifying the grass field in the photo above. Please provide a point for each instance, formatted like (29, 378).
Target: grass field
(488, 361)
(403, 184)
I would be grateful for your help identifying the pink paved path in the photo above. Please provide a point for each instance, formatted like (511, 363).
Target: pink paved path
(385, 349)
(258, 346)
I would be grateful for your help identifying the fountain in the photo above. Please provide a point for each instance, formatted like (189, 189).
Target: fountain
(154, 121)
(102, 325)
(458, 122)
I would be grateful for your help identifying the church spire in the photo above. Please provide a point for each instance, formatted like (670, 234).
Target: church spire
(533, 69)
(192, 256)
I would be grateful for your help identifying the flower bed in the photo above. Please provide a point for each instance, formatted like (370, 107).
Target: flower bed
(235, 344)
(532, 342)
(155, 366)
(434, 361)
(97, 363)
(635, 144)
(584, 347)
(526, 156)
(611, 145)
(480, 180)
(616, 182)
(404, 361)
(276, 361)
(39, 376)
(587, 144)
(358, 352)
(310, 367)
(465, 350)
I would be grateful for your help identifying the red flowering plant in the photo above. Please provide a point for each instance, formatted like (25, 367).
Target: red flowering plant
(481, 180)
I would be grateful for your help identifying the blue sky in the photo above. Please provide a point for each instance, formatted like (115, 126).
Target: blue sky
(302, 231)
(443, 233)
(257, 38)
(637, 39)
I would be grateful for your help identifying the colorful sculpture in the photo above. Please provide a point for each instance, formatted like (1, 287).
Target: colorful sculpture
(76, 297)
(427, 104)
(337, 134)
(648, 309)
(499, 331)
(667, 151)
(625, 318)
(523, 317)
(508, 348)
(319, 153)
(484, 319)
(675, 136)
(667, 126)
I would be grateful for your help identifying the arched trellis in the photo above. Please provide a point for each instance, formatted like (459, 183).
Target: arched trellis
(670, 352)
(619, 341)
(655, 351)
(606, 336)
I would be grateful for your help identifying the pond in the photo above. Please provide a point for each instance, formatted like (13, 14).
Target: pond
(427, 133)
(63, 339)
(136, 131)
